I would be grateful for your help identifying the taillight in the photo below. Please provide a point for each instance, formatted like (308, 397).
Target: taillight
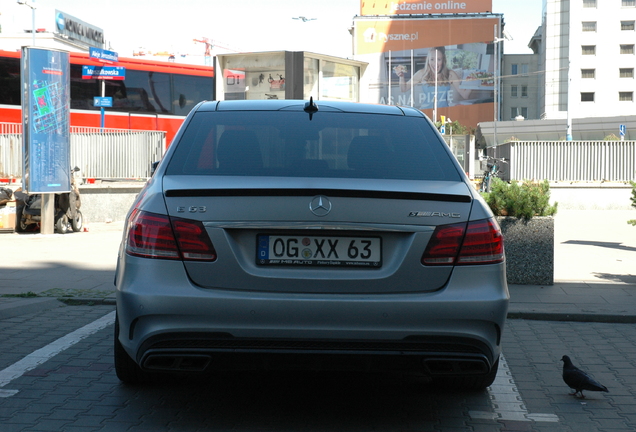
(157, 236)
(193, 240)
(478, 242)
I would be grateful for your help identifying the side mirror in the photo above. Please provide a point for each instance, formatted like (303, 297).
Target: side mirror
(153, 168)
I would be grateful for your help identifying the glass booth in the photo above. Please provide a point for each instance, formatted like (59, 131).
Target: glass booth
(287, 75)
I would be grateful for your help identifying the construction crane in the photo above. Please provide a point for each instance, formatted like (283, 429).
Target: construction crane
(209, 46)
(304, 19)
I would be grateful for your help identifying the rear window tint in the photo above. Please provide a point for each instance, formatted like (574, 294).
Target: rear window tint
(289, 144)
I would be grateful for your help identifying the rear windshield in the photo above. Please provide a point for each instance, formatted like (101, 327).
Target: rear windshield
(330, 144)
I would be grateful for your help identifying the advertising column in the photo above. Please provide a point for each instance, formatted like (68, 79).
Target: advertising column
(45, 125)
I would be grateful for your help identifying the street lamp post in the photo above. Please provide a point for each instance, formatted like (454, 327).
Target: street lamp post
(30, 4)
(496, 40)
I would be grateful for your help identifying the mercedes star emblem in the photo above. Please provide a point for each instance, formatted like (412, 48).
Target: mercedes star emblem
(320, 205)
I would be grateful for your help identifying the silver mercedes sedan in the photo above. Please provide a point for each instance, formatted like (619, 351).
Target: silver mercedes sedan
(320, 235)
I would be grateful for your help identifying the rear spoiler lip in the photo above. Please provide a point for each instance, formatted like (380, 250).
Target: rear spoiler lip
(346, 193)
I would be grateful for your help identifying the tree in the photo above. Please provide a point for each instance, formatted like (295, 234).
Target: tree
(456, 127)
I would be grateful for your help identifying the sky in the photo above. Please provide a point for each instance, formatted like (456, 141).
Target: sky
(235, 25)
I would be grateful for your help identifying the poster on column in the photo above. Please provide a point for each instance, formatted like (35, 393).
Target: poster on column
(45, 124)
(404, 55)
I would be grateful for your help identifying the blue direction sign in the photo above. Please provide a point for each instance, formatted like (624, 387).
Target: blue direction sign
(104, 72)
(622, 129)
(103, 55)
(105, 102)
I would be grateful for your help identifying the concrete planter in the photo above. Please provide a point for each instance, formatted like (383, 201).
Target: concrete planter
(529, 249)
(107, 202)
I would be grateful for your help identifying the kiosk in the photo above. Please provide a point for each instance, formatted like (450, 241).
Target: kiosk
(287, 75)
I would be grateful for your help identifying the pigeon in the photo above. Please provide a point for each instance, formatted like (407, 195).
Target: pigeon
(578, 380)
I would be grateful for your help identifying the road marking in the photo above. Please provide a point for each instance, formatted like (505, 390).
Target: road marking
(41, 355)
(506, 400)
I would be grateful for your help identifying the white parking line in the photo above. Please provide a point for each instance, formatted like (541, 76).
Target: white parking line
(41, 355)
(506, 400)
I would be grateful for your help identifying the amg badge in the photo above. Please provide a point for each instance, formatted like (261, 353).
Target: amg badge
(434, 214)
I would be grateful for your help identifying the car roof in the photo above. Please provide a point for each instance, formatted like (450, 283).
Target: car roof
(299, 105)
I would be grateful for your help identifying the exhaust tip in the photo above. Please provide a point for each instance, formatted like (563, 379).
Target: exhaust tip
(176, 363)
(456, 366)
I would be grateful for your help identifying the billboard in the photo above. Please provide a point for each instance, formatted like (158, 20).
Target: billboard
(76, 29)
(402, 54)
(45, 125)
(410, 7)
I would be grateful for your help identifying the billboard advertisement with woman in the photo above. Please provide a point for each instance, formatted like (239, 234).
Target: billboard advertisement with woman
(443, 66)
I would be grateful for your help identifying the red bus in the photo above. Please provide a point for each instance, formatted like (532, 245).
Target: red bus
(155, 95)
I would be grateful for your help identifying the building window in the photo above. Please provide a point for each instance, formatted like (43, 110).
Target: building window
(589, 3)
(588, 73)
(524, 91)
(514, 91)
(516, 112)
(515, 69)
(628, 3)
(589, 49)
(587, 97)
(627, 25)
(589, 26)
(626, 96)
(524, 69)
(627, 49)
(626, 72)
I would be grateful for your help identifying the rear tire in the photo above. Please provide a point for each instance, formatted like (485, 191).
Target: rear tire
(78, 222)
(485, 184)
(62, 225)
(468, 382)
(126, 369)
(20, 226)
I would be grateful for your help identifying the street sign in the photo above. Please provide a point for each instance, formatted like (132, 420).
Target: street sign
(442, 129)
(105, 102)
(104, 72)
(622, 129)
(103, 55)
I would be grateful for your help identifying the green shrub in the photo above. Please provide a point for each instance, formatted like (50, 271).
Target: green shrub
(611, 137)
(521, 200)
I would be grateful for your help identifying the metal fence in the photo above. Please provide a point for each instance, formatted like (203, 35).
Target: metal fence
(99, 153)
(126, 154)
(577, 161)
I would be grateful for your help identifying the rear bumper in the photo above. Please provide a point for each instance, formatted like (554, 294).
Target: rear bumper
(168, 325)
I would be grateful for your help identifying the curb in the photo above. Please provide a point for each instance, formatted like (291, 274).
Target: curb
(77, 301)
(574, 317)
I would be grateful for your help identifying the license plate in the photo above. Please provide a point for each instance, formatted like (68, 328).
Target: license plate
(319, 251)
